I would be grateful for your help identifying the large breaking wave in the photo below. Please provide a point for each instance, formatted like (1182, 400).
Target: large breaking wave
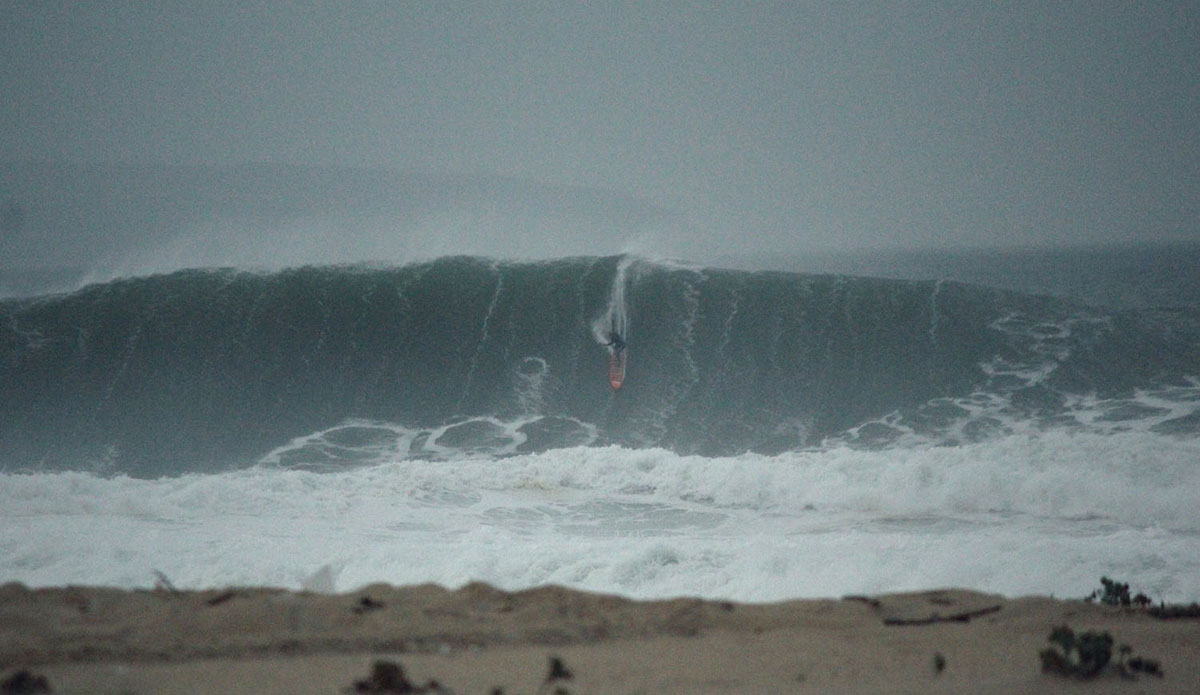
(323, 367)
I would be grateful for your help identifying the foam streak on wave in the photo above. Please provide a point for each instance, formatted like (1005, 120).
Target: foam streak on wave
(616, 313)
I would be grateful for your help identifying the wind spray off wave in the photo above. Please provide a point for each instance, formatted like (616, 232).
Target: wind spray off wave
(612, 329)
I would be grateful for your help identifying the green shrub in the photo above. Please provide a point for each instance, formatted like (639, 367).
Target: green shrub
(1086, 656)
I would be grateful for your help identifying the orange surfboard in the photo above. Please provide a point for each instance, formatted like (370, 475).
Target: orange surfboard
(616, 369)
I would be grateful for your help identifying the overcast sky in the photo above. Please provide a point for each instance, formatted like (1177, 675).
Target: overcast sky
(755, 126)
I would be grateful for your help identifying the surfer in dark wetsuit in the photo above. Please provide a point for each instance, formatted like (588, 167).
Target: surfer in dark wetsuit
(615, 342)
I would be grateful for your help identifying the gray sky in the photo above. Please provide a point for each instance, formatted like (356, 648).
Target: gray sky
(754, 127)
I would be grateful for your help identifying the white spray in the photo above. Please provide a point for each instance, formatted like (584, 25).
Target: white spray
(616, 315)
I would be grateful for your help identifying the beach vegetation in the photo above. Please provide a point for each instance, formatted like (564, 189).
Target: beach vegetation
(1114, 593)
(1087, 655)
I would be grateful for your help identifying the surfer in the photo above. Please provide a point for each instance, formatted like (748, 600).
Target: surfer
(616, 357)
(615, 342)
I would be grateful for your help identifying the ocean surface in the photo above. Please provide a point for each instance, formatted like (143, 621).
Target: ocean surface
(1021, 423)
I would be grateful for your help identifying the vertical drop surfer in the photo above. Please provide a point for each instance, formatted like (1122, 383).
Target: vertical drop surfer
(616, 359)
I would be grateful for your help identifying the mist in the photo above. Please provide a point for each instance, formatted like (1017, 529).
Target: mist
(137, 137)
(137, 219)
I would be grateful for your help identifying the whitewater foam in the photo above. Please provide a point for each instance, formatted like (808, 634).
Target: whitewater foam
(1030, 513)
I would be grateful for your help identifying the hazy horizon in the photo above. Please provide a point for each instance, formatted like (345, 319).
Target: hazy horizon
(334, 132)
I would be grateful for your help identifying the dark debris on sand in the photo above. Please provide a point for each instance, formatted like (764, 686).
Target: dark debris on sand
(558, 672)
(367, 604)
(1175, 611)
(24, 683)
(388, 677)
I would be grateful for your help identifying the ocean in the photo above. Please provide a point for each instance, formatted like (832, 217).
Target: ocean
(1011, 422)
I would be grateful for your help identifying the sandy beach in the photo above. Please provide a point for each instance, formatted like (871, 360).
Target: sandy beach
(482, 640)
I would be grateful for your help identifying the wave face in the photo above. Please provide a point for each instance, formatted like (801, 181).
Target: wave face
(326, 367)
